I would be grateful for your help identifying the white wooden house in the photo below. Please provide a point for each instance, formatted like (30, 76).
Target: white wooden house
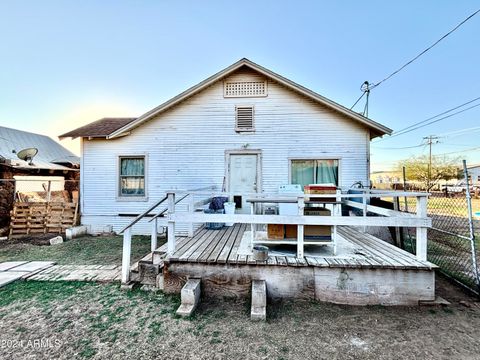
(244, 129)
(243, 133)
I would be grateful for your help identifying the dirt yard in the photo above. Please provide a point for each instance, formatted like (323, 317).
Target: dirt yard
(86, 320)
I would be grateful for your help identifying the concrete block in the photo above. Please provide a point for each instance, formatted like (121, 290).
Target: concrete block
(127, 287)
(258, 311)
(75, 231)
(56, 240)
(160, 281)
(190, 296)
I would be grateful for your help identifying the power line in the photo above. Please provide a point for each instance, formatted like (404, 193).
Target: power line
(459, 151)
(397, 148)
(423, 124)
(424, 51)
(442, 113)
(460, 132)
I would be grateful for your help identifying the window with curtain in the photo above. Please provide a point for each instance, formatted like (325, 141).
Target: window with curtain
(132, 176)
(305, 172)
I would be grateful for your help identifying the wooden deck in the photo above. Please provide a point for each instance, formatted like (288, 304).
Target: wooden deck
(366, 271)
(221, 247)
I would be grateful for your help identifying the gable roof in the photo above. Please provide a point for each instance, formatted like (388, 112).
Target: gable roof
(377, 129)
(51, 155)
(100, 128)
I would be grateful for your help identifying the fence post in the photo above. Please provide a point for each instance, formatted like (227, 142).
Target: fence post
(153, 240)
(470, 225)
(300, 238)
(49, 190)
(171, 224)
(127, 246)
(421, 240)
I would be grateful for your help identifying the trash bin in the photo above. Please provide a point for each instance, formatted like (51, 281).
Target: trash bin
(229, 210)
(214, 226)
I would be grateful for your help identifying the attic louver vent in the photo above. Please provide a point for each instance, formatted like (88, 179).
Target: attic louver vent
(245, 89)
(244, 118)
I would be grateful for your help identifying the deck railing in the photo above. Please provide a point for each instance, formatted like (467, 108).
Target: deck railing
(388, 218)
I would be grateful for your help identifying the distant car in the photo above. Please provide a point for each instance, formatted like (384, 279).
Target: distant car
(460, 188)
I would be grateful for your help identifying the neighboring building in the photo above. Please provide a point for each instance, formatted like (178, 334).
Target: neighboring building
(51, 162)
(474, 174)
(245, 129)
(386, 180)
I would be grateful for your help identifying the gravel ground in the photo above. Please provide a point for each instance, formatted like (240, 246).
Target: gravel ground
(46, 320)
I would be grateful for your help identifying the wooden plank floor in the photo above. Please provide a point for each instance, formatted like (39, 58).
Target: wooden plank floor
(221, 246)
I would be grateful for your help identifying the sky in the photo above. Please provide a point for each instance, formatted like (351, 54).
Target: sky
(67, 63)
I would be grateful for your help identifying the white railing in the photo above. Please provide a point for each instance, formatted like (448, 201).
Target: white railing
(127, 230)
(388, 218)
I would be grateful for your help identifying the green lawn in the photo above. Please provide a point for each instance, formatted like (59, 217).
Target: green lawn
(88, 250)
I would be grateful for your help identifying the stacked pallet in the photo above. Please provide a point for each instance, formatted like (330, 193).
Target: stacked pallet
(41, 218)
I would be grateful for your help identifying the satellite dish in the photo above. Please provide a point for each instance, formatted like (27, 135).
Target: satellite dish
(27, 154)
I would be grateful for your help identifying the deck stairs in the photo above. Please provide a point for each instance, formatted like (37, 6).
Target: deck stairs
(149, 269)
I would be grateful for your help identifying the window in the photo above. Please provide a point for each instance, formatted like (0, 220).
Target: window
(244, 118)
(245, 89)
(132, 176)
(305, 172)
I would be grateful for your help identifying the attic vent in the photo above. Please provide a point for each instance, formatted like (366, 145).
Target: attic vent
(245, 89)
(244, 118)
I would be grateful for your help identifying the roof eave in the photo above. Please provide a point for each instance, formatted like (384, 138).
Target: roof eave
(383, 130)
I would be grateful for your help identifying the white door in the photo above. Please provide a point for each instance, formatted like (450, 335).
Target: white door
(243, 178)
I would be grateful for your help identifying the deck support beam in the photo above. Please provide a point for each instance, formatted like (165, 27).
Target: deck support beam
(127, 247)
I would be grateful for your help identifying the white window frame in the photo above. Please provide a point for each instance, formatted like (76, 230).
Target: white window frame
(123, 197)
(304, 158)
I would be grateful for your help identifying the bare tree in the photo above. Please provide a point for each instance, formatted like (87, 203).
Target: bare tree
(430, 174)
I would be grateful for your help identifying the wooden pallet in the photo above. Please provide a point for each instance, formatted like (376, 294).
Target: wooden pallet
(41, 217)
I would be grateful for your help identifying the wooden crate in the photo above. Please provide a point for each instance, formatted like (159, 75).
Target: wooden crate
(41, 217)
(276, 231)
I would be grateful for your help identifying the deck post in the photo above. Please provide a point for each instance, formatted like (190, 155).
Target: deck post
(421, 241)
(171, 224)
(191, 210)
(127, 247)
(153, 244)
(396, 207)
(300, 235)
(252, 225)
(364, 211)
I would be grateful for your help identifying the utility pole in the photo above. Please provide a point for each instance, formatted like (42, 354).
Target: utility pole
(432, 139)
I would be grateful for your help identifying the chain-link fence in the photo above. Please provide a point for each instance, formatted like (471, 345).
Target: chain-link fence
(452, 239)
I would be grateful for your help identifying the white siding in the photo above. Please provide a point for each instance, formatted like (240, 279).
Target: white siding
(185, 147)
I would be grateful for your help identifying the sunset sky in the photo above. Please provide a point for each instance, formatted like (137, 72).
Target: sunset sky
(66, 63)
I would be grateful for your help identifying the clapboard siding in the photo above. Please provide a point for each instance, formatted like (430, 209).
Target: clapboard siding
(185, 146)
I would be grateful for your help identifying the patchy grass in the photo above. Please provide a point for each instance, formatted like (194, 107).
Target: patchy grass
(88, 250)
(94, 321)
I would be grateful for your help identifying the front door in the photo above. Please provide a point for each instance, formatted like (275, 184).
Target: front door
(243, 179)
